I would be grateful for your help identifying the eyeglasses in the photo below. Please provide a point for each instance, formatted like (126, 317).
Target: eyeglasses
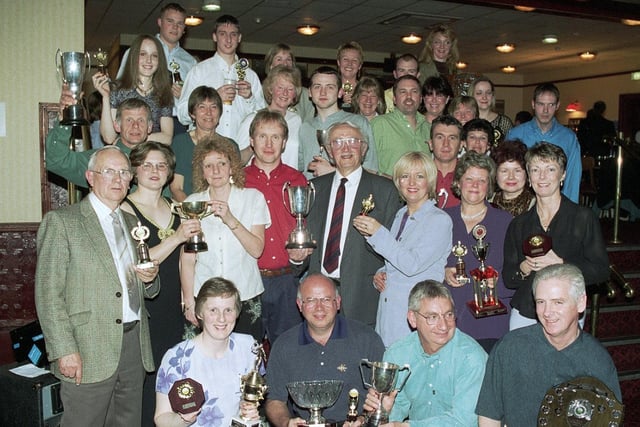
(124, 174)
(432, 318)
(312, 302)
(148, 167)
(351, 142)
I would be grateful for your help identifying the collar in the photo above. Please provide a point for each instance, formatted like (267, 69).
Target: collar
(261, 171)
(352, 177)
(103, 211)
(166, 46)
(339, 331)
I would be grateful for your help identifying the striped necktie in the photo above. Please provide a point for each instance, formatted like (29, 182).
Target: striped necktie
(332, 248)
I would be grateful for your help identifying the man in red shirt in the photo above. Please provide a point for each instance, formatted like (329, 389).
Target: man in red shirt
(266, 172)
(445, 145)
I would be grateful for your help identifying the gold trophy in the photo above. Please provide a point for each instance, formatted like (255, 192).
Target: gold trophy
(485, 301)
(140, 233)
(347, 88)
(367, 205)
(193, 210)
(241, 68)
(459, 251)
(253, 387)
(352, 415)
(301, 199)
(175, 73)
(102, 59)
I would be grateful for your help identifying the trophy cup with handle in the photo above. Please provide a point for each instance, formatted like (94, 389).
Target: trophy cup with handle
(71, 67)
(193, 210)
(485, 301)
(315, 396)
(383, 380)
(301, 199)
(253, 387)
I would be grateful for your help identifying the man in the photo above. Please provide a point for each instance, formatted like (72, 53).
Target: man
(133, 123)
(593, 129)
(478, 136)
(545, 127)
(529, 361)
(338, 201)
(406, 64)
(447, 365)
(445, 145)
(403, 129)
(171, 25)
(89, 298)
(325, 89)
(325, 346)
(350, 59)
(267, 173)
(436, 93)
(240, 94)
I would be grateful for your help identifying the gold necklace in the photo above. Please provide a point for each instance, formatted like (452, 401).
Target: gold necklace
(144, 92)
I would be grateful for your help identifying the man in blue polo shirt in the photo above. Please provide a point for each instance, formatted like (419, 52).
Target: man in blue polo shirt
(325, 346)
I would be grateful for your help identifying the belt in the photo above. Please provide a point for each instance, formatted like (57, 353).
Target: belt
(275, 273)
(128, 326)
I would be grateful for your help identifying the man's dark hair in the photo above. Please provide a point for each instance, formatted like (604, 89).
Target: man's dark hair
(405, 77)
(172, 6)
(406, 57)
(226, 19)
(544, 88)
(446, 120)
(439, 85)
(325, 70)
(478, 124)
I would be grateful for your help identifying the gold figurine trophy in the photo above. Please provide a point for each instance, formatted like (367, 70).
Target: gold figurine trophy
(140, 233)
(367, 205)
(253, 387)
(459, 251)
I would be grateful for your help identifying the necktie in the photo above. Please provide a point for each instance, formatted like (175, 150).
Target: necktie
(332, 248)
(125, 262)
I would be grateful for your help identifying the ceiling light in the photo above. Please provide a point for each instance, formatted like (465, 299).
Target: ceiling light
(506, 47)
(308, 30)
(508, 69)
(412, 38)
(461, 65)
(587, 56)
(550, 39)
(631, 22)
(573, 107)
(211, 5)
(524, 8)
(193, 21)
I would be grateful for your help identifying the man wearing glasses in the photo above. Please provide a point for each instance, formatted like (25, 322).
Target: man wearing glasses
(325, 346)
(447, 365)
(545, 127)
(343, 253)
(90, 300)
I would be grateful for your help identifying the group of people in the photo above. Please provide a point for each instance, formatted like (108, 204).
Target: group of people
(381, 281)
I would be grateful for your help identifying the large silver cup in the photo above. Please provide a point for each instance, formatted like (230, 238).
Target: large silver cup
(301, 199)
(71, 66)
(193, 210)
(383, 380)
(315, 396)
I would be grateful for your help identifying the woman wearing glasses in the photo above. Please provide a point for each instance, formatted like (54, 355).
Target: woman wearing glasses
(153, 164)
(409, 256)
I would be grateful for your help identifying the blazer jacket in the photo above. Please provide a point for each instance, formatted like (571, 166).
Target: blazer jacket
(79, 295)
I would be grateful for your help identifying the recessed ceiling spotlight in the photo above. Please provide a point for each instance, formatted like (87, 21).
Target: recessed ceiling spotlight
(211, 5)
(412, 38)
(631, 22)
(524, 8)
(308, 30)
(587, 56)
(506, 47)
(508, 69)
(461, 65)
(193, 21)
(550, 39)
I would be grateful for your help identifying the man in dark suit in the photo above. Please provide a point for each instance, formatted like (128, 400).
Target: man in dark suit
(343, 253)
(89, 299)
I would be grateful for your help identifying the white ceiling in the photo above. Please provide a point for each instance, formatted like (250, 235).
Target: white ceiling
(479, 29)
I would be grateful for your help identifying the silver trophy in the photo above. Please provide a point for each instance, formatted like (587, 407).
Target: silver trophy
(315, 396)
(193, 210)
(301, 199)
(383, 380)
(71, 67)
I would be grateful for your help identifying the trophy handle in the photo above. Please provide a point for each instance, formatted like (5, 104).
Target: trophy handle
(365, 362)
(175, 209)
(285, 187)
(408, 368)
(208, 212)
(58, 61)
(313, 194)
(88, 57)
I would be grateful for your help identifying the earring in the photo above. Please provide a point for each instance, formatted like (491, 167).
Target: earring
(231, 180)
(561, 183)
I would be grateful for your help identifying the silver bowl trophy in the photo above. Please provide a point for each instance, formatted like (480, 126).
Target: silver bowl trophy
(383, 376)
(315, 396)
(140, 233)
(252, 386)
(485, 301)
(71, 67)
(459, 251)
(193, 210)
(301, 199)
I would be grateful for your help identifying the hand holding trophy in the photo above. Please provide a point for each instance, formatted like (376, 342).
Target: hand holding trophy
(253, 387)
(71, 67)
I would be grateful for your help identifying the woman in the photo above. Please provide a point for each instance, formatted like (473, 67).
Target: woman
(409, 256)
(369, 98)
(474, 182)
(141, 80)
(205, 108)
(281, 54)
(463, 108)
(350, 59)
(217, 358)
(436, 93)
(483, 91)
(571, 232)
(513, 196)
(234, 232)
(281, 90)
(440, 53)
(153, 164)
